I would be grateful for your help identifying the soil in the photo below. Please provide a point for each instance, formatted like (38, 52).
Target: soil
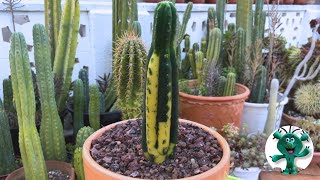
(119, 150)
(58, 175)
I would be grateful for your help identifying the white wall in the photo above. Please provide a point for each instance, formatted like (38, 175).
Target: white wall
(94, 50)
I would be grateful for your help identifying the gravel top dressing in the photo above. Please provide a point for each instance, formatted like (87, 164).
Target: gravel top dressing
(120, 151)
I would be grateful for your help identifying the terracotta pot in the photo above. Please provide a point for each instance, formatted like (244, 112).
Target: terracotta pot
(213, 111)
(300, 2)
(232, 1)
(152, 1)
(288, 1)
(198, 1)
(288, 120)
(51, 165)
(211, 1)
(93, 171)
(3, 177)
(180, 1)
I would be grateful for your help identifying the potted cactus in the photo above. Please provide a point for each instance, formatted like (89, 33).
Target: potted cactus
(146, 146)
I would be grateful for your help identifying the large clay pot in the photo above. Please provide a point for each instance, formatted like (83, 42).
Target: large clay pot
(232, 1)
(211, 1)
(198, 1)
(300, 2)
(288, 1)
(51, 165)
(93, 171)
(213, 111)
(180, 1)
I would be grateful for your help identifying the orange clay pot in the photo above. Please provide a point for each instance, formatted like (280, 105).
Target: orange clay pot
(93, 171)
(213, 111)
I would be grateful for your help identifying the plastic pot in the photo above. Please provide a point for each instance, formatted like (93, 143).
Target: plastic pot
(247, 174)
(213, 111)
(93, 171)
(254, 115)
(51, 165)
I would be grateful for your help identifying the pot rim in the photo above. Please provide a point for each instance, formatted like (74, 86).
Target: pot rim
(264, 105)
(222, 142)
(241, 96)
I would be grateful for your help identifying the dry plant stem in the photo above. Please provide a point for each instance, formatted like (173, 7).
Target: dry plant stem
(12, 5)
(303, 66)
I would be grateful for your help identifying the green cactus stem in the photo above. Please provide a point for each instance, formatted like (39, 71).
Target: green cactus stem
(23, 93)
(259, 20)
(221, 85)
(272, 108)
(82, 135)
(186, 43)
(78, 106)
(78, 164)
(110, 96)
(214, 46)
(229, 87)
(259, 87)
(240, 57)
(192, 63)
(204, 46)
(199, 66)
(7, 95)
(244, 18)
(212, 21)
(84, 76)
(231, 27)
(221, 6)
(136, 28)
(94, 107)
(182, 29)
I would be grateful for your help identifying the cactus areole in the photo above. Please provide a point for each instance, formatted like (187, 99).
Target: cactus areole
(160, 120)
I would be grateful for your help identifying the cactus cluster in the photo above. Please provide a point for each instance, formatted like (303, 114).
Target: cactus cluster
(128, 69)
(307, 99)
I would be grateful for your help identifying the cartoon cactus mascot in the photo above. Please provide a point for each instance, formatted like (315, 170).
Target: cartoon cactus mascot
(7, 159)
(83, 134)
(78, 106)
(290, 146)
(51, 130)
(272, 108)
(94, 107)
(66, 51)
(259, 86)
(214, 46)
(78, 164)
(128, 69)
(7, 95)
(160, 118)
(229, 87)
(84, 76)
(23, 93)
(52, 9)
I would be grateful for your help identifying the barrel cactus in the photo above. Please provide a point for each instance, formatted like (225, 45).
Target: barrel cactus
(23, 93)
(78, 164)
(83, 134)
(94, 107)
(307, 99)
(160, 117)
(51, 130)
(128, 70)
(78, 107)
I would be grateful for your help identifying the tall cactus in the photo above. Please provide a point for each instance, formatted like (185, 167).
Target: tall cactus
(7, 95)
(259, 21)
(221, 6)
(244, 18)
(272, 108)
(78, 106)
(84, 76)
(214, 46)
(78, 164)
(229, 87)
(51, 130)
(66, 50)
(94, 107)
(259, 86)
(136, 28)
(204, 46)
(82, 135)
(212, 21)
(110, 96)
(186, 43)
(182, 28)
(240, 57)
(128, 70)
(199, 65)
(7, 159)
(23, 93)
(160, 118)
(52, 9)
(192, 63)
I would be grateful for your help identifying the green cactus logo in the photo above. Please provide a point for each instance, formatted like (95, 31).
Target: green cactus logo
(289, 148)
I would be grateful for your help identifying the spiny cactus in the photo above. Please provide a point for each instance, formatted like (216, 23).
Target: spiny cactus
(94, 107)
(7, 95)
(214, 46)
(52, 11)
(240, 57)
(231, 27)
(259, 86)
(192, 63)
(212, 21)
(204, 45)
(78, 106)
(160, 117)
(244, 18)
(229, 87)
(128, 70)
(307, 99)
(84, 76)
(78, 164)
(51, 129)
(259, 21)
(66, 50)
(23, 93)
(182, 28)
(199, 65)
(186, 43)
(82, 135)
(136, 28)
(221, 85)
(7, 159)
(221, 6)
(272, 108)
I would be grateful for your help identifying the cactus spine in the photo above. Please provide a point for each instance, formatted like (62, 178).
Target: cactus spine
(7, 159)
(259, 86)
(199, 63)
(51, 130)
(94, 107)
(221, 6)
(23, 92)
(84, 76)
(229, 87)
(78, 106)
(128, 69)
(52, 20)
(160, 120)
(82, 135)
(214, 46)
(7, 95)
(78, 164)
(244, 18)
(66, 50)
(272, 108)
(240, 57)
(136, 28)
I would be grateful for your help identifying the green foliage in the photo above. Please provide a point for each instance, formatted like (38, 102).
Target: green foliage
(94, 107)
(307, 99)
(78, 106)
(240, 57)
(82, 135)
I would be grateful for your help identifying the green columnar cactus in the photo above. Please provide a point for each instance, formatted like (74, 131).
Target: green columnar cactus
(82, 135)
(7, 159)
(212, 20)
(195, 48)
(272, 108)
(52, 11)
(124, 13)
(78, 106)
(110, 96)
(160, 117)
(102, 103)
(240, 57)
(136, 28)
(199, 66)
(221, 6)
(307, 99)
(192, 63)
(66, 50)
(51, 130)
(231, 27)
(259, 87)
(7, 95)
(84, 76)
(258, 27)
(78, 164)
(204, 45)
(94, 107)
(186, 43)
(128, 70)
(244, 18)
(221, 85)
(23, 93)
(214, 46)
(182, 28)
(229, 87)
